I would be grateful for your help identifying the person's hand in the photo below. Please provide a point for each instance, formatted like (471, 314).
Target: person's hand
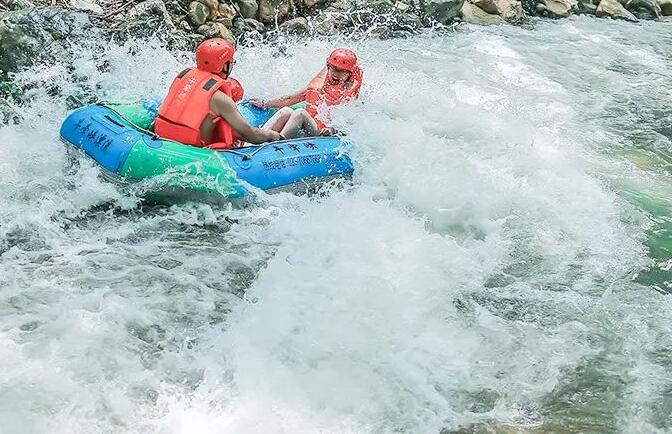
(275, 136)
(258, 103)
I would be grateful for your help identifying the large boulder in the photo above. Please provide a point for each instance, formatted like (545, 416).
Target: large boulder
(270, 9)
(643, 9)
(32, 36)
(443, 11)
(613, 9)
(665, 7)
(510, 10)
(472, 14)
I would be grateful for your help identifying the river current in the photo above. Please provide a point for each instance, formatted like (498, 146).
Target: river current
(500, 262)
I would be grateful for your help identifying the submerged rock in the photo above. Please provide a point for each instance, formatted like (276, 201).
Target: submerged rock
(613, 9)
(472, 14)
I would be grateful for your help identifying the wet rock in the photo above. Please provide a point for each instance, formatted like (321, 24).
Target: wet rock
(472, 14)
(86, 5)
(214, 29)
(331, 22)
(556, 8)
(587, 6)
(296, 26)
(226, 12)
(146, 19)
(248, 8)
(270, 9)
(510, 10)
(443, 11)
(665, 7)
(198, 13)
(213, 8)
(613, 9)
(254, 25)
(24, 34)
(17, 5)
(643, 9)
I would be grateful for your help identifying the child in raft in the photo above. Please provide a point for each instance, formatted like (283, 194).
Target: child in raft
(339, 81)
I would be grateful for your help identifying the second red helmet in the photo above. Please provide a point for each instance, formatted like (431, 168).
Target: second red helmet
(213, 54)
(342, 58)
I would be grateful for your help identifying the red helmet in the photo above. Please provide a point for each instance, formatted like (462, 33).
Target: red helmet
(342, 58)
(237, 90)
(213, 54)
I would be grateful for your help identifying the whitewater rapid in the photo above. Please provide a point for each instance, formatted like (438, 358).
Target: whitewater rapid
(482, 273)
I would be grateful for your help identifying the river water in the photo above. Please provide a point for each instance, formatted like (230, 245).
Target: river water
(500, 263)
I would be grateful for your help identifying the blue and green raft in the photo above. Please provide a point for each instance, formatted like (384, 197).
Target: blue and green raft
(119, 138)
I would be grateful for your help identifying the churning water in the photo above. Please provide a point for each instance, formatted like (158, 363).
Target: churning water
(499, 264)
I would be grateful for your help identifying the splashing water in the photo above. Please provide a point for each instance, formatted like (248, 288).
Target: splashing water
(499, 265)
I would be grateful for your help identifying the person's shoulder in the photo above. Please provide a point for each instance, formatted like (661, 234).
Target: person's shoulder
(222, 98)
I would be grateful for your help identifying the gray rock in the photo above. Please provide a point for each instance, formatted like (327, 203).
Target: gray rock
(198, 13)
(253, 24)
(214, 29)
(331, 22)
(270, 9)
(510, 10)
(25, 34)
(556, 8)
(665, 7)
(474, 15)
(248, 8)
(86, 5)
(296, 26)
(146, 19)
(17, 5)
(443, 11)
(587, 6)
(613, 9)
(643, 9)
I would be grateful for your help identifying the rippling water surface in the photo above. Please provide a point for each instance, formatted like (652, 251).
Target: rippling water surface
(500, 263)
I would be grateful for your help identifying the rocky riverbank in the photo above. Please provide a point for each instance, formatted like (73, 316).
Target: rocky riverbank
(34, 31)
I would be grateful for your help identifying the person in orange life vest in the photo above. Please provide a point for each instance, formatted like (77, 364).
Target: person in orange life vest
(237, 91)
(200, 109)
(339, 82)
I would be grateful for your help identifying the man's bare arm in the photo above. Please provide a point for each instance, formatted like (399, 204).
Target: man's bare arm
(222, 105)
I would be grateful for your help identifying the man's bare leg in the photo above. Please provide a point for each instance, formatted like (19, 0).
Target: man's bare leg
(300, 124)
(278, 121)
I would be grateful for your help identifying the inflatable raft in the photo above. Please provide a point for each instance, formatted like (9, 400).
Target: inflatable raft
(119, 138)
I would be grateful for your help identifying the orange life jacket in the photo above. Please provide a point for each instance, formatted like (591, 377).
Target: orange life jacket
(319, 92)
(186, 107)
